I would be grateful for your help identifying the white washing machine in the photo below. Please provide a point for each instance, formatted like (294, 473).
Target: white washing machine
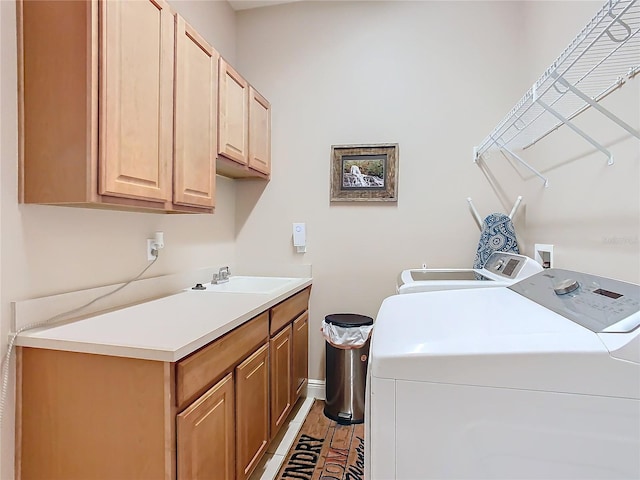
(501, 269)
(539, 380)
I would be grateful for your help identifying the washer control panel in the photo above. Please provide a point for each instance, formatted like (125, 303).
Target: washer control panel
(505, 264)
(597, 303)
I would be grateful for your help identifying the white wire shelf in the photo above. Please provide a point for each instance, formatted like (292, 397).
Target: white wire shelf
(601, 59)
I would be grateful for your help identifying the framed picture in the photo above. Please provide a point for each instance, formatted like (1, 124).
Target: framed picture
(363, 173)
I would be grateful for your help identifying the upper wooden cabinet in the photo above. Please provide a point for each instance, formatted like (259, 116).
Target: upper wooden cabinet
(259, 132)
(244, 130)
(97, 107)
(194, 170)
(233, 131)
(135, 102)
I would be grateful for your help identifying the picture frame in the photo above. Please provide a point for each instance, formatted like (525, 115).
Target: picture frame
(364, 173)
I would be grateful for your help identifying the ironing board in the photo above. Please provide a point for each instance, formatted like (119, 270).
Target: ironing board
(498, 235)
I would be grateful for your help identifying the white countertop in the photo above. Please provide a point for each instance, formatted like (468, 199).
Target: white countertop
(166, 329)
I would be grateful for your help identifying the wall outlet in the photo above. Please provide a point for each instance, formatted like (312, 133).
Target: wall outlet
(155, 243)
(151, 245)
(543, 254)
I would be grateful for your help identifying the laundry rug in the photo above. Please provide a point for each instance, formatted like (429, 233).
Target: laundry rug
(325, 450)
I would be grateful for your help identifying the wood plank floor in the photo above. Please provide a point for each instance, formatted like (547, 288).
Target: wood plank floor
(325, 450)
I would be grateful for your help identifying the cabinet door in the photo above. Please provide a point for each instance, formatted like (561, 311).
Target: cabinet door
(281, 390)
(252, 411)
(300, 353)
(233, 138)
(259, 132)
(136, 99)
(194, 170)
(206, 437)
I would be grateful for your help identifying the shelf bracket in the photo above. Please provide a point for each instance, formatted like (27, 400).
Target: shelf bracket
(597, 106)
(566, 121)
(524, 163)
(478, 218)
(516, 205)
(476, 215)
(478, 151)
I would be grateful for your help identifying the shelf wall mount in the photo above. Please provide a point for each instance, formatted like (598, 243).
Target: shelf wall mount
(601, 59)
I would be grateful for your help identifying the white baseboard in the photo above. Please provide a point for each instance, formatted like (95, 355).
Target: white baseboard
(316, 389)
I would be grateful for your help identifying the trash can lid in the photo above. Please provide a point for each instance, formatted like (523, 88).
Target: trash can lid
(348, 319)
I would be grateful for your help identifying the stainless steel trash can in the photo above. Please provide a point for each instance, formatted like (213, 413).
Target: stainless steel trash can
(346, 373)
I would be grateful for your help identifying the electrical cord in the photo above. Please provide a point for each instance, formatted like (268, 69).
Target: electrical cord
(53, 321)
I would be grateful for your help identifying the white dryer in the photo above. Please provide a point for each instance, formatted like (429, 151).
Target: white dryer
(540, 380)
(501, 269)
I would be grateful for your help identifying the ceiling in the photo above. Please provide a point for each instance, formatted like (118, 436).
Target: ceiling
(246, 4)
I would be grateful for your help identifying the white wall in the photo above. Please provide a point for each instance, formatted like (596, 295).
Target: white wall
(215, 20)
(427, 75)
(590, 211)
(46, 250)
(435, 77)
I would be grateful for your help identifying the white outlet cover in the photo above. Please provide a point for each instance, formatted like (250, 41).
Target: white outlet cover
(150, 244)
(540, 249)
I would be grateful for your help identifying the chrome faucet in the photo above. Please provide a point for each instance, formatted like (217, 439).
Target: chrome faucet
(222, 276)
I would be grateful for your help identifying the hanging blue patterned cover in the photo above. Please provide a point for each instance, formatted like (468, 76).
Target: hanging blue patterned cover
(498, 235)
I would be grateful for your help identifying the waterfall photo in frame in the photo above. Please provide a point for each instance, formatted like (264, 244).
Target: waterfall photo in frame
(363, 173)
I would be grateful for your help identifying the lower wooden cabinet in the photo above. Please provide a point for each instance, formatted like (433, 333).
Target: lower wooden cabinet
(252, 411)
(223, 434)
(289, 329)
(211, 415)
(81, 416)
(300, 354)
(205, 435)
(281, 391)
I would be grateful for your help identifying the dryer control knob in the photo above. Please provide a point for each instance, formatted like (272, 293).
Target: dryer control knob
(566, 286)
